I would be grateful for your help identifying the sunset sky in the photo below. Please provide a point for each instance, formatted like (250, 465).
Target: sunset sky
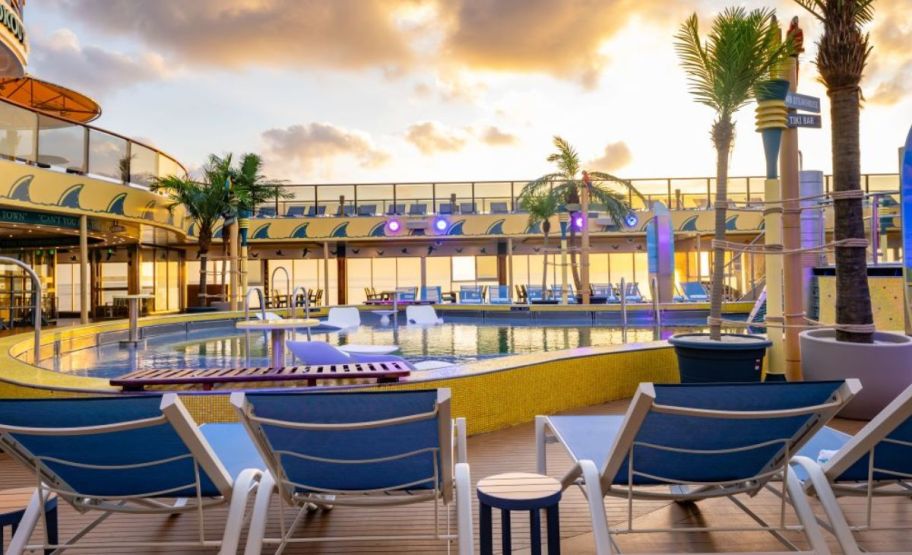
(446, 90)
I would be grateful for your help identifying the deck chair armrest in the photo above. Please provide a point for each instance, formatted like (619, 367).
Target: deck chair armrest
(818, 485)
(464, 509)
(459, 440)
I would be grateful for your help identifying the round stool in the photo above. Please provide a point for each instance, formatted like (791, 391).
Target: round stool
(12, 508)
(519, 491)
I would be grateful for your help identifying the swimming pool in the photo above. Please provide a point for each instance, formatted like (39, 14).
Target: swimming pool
(459, 339)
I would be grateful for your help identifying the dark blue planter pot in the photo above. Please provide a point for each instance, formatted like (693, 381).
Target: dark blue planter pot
(737, 358)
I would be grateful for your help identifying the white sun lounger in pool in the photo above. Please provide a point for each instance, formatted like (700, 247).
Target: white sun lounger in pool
(343, 317)
(269, 316)
(423, 315)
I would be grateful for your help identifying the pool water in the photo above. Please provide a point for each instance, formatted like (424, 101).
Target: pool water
(459, 340)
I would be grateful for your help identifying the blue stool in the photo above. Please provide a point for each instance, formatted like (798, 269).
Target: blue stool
(12, 508)
(519, 491)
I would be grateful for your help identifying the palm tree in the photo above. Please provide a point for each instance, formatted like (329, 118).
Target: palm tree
(251, 187)
(566, 184)
(842, 55)
(724, 73)
(542, 207)
(205, 203)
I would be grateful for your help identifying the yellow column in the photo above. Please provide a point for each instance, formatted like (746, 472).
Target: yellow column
(233, 267)
(584, 248)
(85, 283)
(791, 239)
(773, 236)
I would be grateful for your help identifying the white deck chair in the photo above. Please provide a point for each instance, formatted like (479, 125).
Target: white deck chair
(697, 441)
(135, 455)
(423, 315)
(269, 316)
(874, 463)
(343, 317)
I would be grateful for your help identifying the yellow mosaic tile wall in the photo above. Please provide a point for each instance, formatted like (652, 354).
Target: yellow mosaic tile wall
(886, 300)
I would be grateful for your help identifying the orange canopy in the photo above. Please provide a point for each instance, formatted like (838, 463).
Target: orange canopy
(49, 98)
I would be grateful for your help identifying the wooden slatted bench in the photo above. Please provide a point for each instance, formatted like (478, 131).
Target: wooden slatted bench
(383, 372)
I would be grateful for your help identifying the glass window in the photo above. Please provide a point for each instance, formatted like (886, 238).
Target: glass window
(408, 272)
(143, 164)
(463, 268)
(486, 268)
(359, 277)
(17, 132)
(61, 143)
(108, 156)
(439, 272)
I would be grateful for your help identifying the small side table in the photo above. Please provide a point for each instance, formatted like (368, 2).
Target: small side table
(519, 491)
(12, 508)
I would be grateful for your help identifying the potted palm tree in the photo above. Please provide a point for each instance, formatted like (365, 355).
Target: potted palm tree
(853, 348)
(725, 72)
(205, 203)
(542, 207)
(567, 185)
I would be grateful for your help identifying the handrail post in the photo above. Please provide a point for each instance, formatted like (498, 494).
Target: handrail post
(655, 302)
(623, 293)
(36, 309)
(875, 228)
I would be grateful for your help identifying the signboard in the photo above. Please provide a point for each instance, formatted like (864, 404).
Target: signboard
(802, 102)
(804, 120)
(905, 188)
(25, 217)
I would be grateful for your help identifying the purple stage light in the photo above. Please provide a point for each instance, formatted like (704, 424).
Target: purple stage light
(440, 224)
(578, 222)
(393, 226)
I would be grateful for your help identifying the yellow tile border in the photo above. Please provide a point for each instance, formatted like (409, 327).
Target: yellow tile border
(491, 394)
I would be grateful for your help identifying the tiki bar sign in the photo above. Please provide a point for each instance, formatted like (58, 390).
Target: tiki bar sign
(12, 21)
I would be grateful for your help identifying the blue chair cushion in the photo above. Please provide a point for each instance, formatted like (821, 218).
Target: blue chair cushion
(353, 453)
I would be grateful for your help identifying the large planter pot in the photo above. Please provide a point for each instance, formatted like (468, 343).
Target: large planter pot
(884, 367)
(736, 358)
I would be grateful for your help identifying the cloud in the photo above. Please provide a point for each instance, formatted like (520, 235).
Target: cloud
(493, 136)
(615, 156)
(559, 37)
(431, 137)
(305, 146)
(61, 58)
(235, 33)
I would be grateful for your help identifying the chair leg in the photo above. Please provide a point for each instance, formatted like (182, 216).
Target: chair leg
(50, 519)
(535, 531)
(553, 530)
(594, 496)
(257, 527)
(486, 534)
(30, 519)
(505, 536)
(464, 509)
(246, 482)
(540, 462)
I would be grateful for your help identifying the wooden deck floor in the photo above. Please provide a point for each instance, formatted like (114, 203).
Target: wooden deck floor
(502, 451)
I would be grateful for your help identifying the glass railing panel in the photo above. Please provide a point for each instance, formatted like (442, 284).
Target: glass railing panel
(374, 199)
(108, 156)
(61, 144)
(881, 182)
(737, 191)
(17, 133)
(168, 166)
(490, 193)
(415, 198)
(143, 164)
(653, 189)
(453, 192)
(688, 194)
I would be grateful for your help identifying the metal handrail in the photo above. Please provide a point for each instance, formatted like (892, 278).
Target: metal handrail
(623, 294)
(36, 306)
(259, 293)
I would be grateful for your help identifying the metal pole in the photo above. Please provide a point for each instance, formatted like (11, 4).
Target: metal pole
(84, 280)
(36, 295)
(792, 294)
(623, 294)
(875, 229)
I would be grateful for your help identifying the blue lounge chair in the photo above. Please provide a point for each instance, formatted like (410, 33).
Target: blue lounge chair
(395, 210)
(500, 208)
(500, 294)
(471, 294)
(557, 294)
(367, 210)
(607, 292)
(126, 455)
(418, 209)
(536, 295)
(266, 212)
(407, 294)
(295, 212)
(467, 208)
(632, 292)
(694, 291)
(345, 211)
(432, 294)
(445, 209)
(315, 211)
(702, 441)
(882, 447)
(371, 449)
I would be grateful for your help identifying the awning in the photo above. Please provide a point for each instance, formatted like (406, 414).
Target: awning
(49, 98)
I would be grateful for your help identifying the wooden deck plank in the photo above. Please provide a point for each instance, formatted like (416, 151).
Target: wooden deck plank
(510, 450)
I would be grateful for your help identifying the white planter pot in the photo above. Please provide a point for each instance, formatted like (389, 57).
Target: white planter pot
(884, 367)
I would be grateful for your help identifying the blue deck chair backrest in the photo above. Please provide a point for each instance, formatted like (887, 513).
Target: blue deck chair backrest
(410, 450)
(296, 211)
(695, 291)
(535, 293)
(446, 208)
(432, 294)
(499, 208)
(701, 433)
(470, 294)
(60, 452)
(500, 294)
